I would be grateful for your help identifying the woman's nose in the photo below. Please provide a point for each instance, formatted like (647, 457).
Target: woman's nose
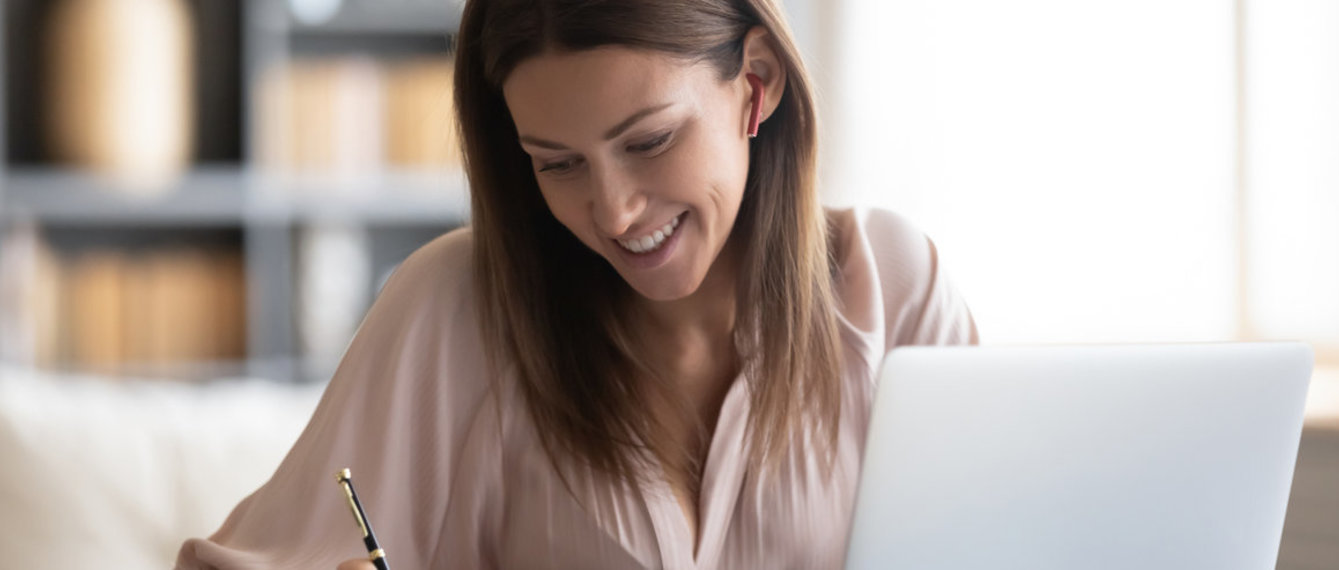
(617, 202)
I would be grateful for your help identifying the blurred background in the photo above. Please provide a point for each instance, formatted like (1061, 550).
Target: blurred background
(199, 199)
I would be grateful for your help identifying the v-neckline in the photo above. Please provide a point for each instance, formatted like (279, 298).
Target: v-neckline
(722, 478)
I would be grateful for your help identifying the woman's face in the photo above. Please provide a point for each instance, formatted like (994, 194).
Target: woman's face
(642, 156)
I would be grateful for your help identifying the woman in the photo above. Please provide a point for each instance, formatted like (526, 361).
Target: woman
(653, 348)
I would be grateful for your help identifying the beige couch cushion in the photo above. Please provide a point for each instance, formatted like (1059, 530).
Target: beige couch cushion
(98, 474)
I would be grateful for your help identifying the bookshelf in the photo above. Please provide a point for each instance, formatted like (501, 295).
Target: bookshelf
(304, 172)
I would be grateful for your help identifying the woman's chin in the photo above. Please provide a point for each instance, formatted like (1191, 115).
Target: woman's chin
(663, 290)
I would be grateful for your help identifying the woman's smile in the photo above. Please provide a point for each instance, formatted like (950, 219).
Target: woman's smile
(650, 242)
(654, 249)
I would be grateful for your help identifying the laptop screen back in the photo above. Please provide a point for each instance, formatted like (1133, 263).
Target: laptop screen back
(1150, 457)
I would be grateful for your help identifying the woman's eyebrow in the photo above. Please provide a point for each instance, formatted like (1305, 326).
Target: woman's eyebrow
(632, 120)
(608, 135)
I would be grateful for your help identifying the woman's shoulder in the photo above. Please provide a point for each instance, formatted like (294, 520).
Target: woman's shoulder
(443, 265)
(878, 229)
(425, 312)
(890, 281)
(882, 243)
(421, 336)
(436, 277)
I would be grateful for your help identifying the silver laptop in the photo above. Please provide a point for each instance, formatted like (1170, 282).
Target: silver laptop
(1142, 457)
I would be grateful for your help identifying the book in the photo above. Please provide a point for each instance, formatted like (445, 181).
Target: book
(351, 117)
(144, 313)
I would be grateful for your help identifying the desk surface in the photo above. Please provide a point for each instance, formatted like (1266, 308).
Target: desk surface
(1311, 530)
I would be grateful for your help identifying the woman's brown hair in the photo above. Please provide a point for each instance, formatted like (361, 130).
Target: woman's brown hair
(554, 312)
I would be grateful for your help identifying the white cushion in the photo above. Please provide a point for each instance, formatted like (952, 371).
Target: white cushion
(101, 474)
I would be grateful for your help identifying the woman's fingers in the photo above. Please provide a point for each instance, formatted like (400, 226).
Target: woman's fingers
(356, 564)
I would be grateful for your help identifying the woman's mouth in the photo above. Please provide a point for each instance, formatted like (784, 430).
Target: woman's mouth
(653, 241)
(654, 249)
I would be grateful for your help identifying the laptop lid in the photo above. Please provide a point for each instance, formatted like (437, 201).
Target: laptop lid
(1063, 457)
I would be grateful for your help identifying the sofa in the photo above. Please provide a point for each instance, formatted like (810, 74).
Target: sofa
(100, 473)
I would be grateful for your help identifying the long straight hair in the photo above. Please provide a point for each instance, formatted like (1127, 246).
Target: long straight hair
(553, 312)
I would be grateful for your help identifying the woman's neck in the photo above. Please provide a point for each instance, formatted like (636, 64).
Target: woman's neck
(695, 334)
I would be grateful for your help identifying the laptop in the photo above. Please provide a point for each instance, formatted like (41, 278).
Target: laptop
(1142, 457)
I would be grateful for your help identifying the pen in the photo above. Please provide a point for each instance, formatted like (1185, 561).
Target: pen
(374, 551)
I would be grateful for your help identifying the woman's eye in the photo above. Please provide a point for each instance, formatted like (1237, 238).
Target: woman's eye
(557, 167)
(650, 145)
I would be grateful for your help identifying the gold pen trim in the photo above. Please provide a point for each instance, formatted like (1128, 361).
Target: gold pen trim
(375, 554)
(343, 478)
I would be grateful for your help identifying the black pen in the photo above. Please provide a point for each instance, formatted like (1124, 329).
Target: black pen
(374, 551)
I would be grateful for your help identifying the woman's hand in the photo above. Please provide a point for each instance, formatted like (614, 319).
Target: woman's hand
(356, 564)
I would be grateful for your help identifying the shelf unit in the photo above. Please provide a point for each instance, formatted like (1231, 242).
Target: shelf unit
(228, 190)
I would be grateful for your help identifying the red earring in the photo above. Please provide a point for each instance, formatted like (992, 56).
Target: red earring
(758, 93)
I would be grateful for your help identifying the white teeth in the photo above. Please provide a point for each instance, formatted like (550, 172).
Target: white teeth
(653, 241)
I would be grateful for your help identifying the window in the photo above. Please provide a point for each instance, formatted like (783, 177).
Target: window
(1102, 172)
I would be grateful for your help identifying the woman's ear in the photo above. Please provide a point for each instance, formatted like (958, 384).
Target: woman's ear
(760, 59)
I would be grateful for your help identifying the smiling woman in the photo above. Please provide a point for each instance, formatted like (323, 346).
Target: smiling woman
(630, 120)
(652, 348)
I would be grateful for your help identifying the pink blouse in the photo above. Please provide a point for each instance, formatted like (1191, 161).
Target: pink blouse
(449, 468)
